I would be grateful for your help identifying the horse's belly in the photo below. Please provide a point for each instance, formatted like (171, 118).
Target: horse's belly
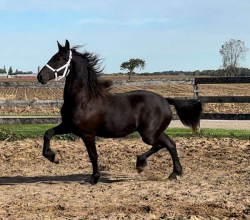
(117, 127)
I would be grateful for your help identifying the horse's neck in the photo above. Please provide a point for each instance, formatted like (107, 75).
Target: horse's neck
(68, 91)
(75, 85)
(72, 89)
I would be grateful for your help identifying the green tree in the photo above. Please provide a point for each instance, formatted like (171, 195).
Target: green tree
(132, 64)
(3, 70)
(232, 52)
(10, 72)
(196, 73)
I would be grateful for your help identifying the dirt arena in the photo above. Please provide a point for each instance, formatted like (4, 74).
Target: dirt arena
(215, 184)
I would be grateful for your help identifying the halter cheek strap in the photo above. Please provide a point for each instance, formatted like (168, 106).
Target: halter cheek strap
(66, 67)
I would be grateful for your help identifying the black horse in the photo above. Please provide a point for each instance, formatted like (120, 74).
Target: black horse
(90, 110)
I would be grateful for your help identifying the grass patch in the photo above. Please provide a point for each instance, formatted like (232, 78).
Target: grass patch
(237, 134)
(22, 131)
(206, 132)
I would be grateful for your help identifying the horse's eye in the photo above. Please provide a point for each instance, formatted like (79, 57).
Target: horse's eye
(57, 59)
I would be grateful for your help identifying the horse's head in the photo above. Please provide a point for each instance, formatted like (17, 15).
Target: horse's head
(58, 66)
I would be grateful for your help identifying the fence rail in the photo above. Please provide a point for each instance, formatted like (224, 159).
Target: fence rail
(196, 82)
(30, 120)
(58, 103)
(221, 80)
(222, 99)
(39, 103)
(217, 116)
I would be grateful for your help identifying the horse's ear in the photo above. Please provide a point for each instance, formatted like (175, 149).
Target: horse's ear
(67, 45)
(59, 46)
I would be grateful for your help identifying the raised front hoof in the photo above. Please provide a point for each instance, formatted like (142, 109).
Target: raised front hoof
(174, 176)
(51, 156)
(140, 165)
(94, 179)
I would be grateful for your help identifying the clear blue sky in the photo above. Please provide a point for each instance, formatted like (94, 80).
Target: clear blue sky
(167, 34)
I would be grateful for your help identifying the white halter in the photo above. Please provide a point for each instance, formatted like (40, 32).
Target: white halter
(66, 66)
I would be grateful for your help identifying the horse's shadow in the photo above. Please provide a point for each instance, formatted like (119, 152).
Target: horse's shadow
(81, 178)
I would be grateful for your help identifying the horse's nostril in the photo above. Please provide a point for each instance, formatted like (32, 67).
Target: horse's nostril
(39, 77)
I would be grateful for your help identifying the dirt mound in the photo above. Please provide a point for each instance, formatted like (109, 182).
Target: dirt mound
(215, 184)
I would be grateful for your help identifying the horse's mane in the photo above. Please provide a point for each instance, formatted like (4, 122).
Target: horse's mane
(95, 85)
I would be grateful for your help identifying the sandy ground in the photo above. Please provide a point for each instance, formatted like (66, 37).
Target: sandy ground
(215, 184)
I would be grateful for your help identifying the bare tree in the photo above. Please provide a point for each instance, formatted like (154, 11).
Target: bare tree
(232, 52)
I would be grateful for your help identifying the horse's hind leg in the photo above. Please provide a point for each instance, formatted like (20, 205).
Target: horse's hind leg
(141, 162)
(150, 139)
(167, 142)
(163, 142)
(47, 152)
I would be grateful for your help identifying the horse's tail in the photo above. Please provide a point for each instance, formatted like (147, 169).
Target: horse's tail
(189, 111)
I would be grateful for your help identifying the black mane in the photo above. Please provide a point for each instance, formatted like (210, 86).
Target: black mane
(92, 59)
(94, 83)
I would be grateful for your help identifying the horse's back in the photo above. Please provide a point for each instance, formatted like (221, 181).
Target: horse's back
(143, 100)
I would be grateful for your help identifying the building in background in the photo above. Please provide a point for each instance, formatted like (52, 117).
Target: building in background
(3, 75)
(25, 76)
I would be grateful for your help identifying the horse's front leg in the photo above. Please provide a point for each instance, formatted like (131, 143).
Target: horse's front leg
(47, 152)
(91, 148)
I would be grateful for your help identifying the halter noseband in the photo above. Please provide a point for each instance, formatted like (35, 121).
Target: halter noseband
(66, 66)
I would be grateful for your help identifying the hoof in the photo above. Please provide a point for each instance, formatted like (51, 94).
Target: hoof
(94, 179)
(174, 176)
(51, 156)
(140, 169)
(56, 161)
(140, 165)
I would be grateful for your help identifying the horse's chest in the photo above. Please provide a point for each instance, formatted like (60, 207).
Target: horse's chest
(81, 118)
(67, 113)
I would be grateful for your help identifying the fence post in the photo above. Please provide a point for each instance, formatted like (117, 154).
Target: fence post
(196, 91)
